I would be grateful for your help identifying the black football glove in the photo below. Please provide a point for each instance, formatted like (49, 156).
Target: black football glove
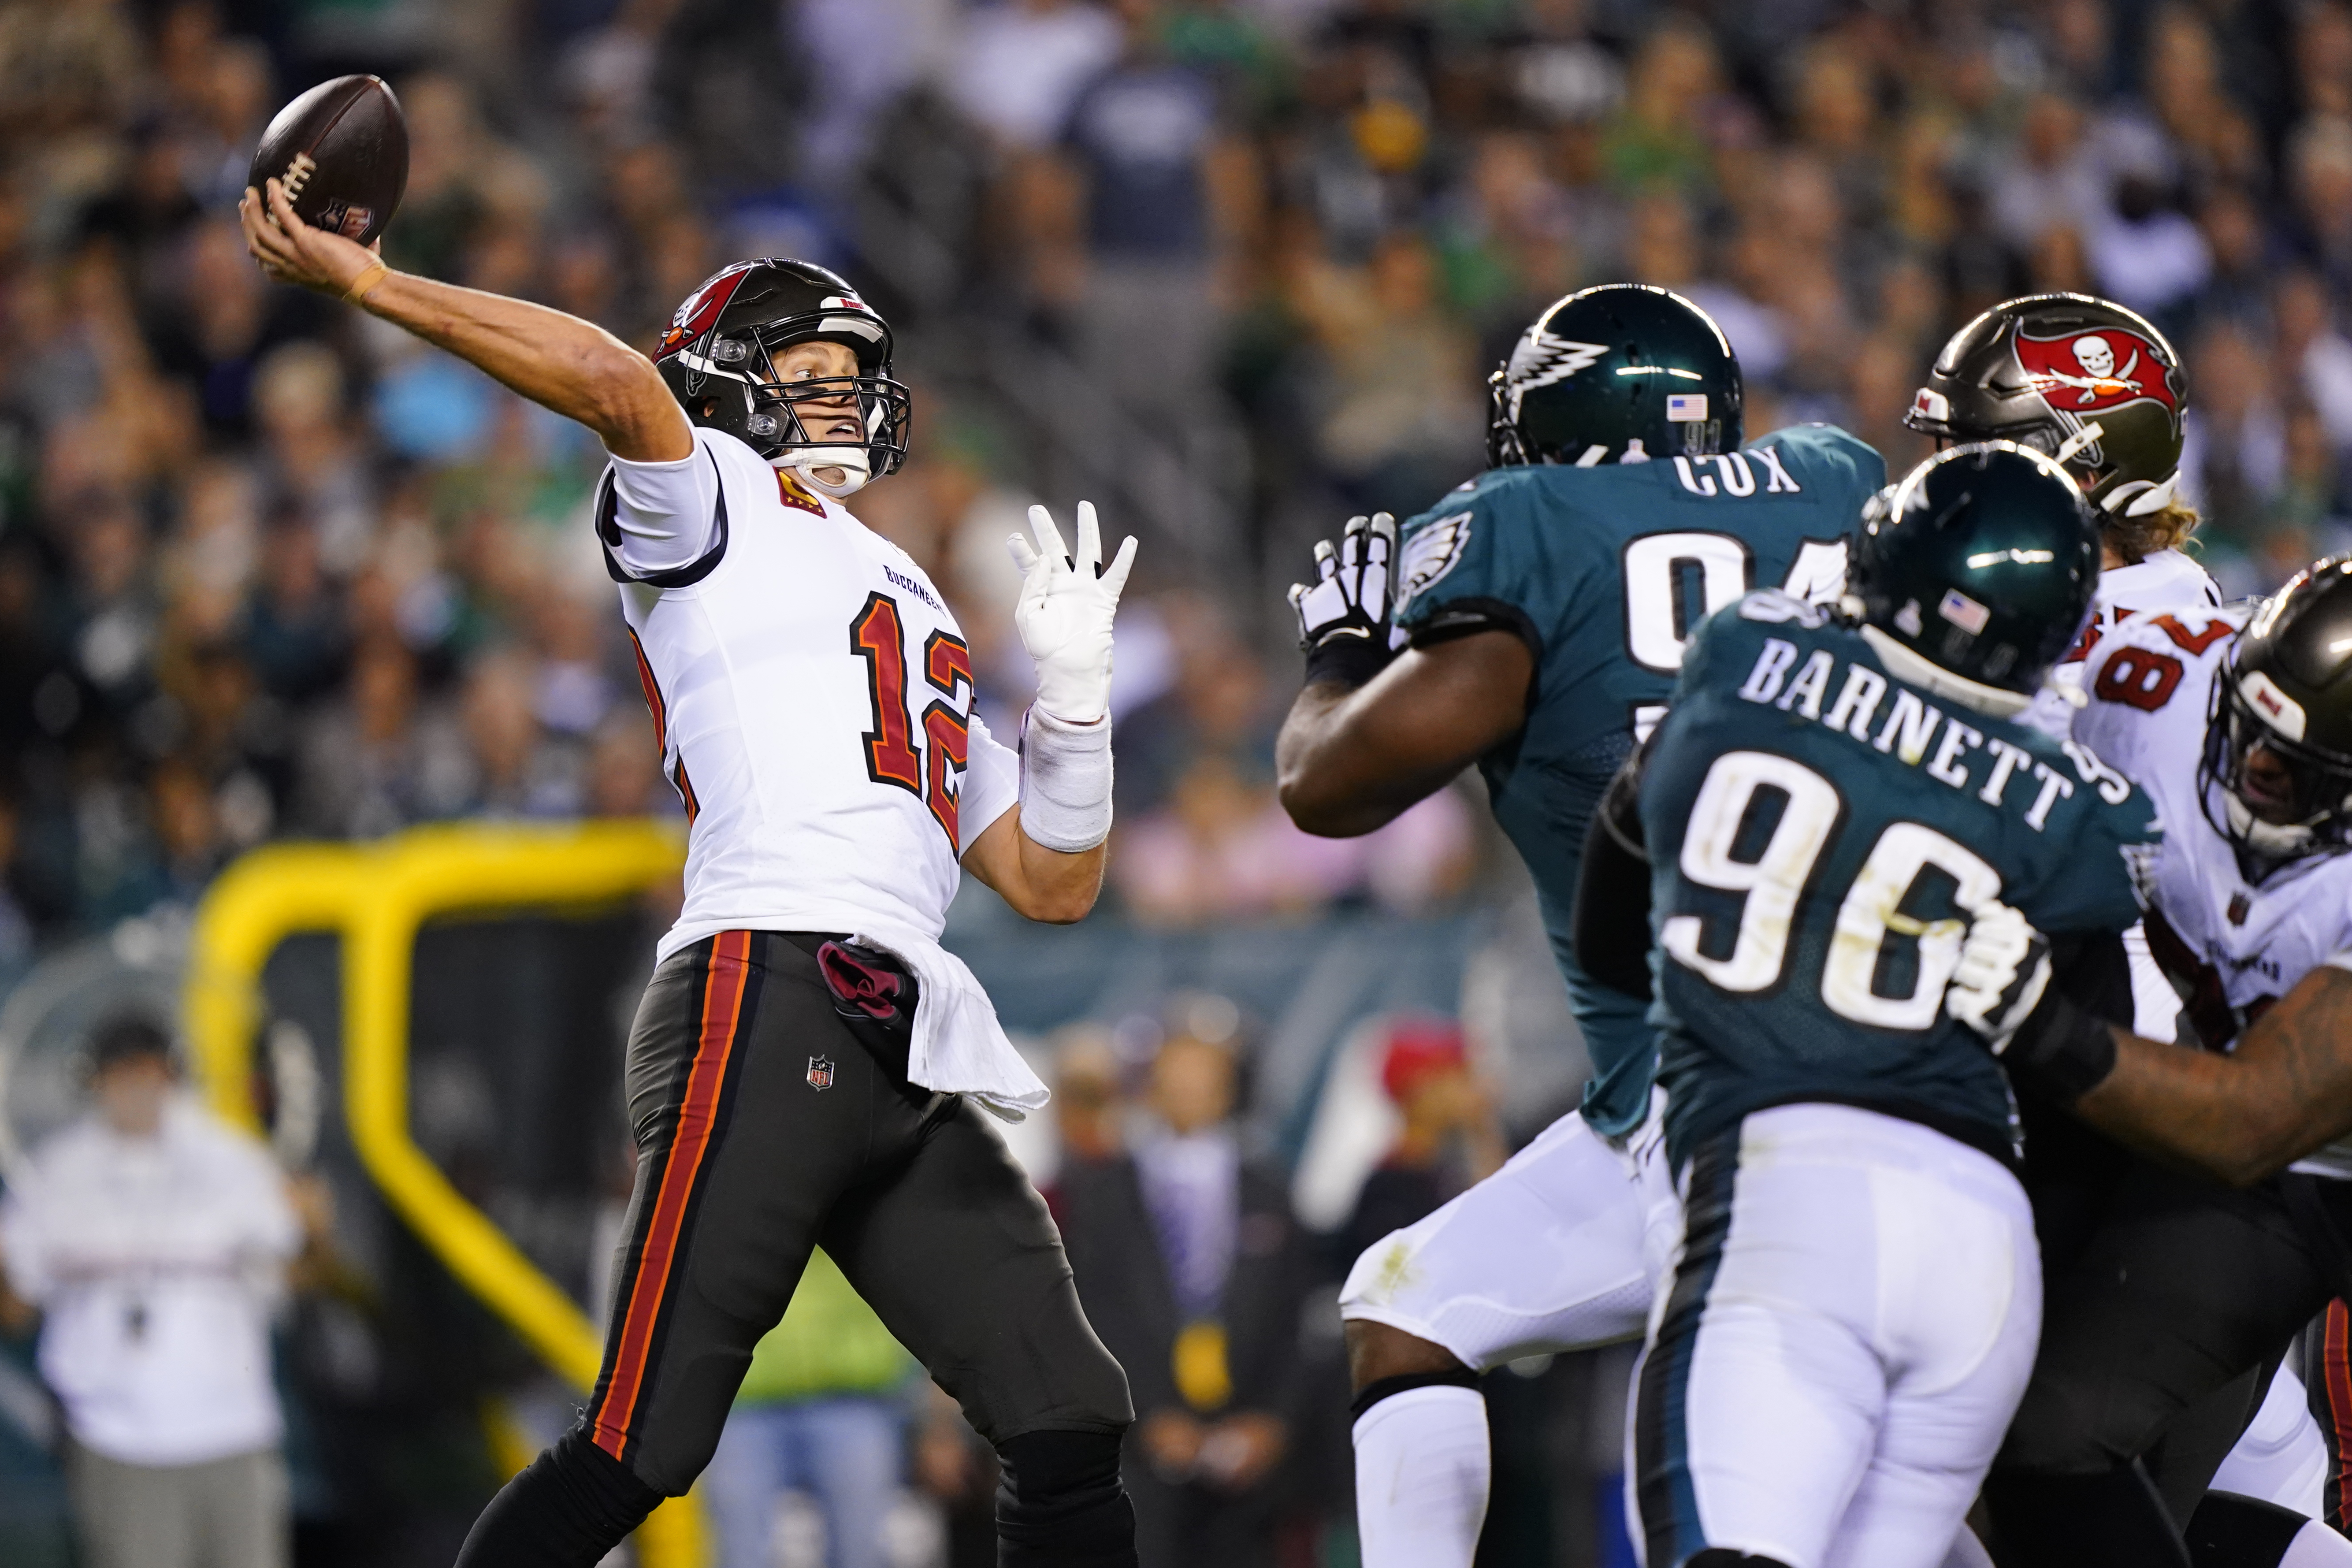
(1343, 615)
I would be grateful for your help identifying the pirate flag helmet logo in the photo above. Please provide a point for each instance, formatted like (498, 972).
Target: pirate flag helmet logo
(2082, 380)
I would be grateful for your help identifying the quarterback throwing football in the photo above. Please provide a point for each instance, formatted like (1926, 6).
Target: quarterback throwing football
(809, 1065)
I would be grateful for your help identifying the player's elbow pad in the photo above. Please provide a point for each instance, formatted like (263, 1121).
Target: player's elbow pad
(1064, 782)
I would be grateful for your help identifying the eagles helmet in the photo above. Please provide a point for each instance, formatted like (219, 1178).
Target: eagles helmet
(1973, 573)
(2287, 688)
(1621, 373)
(2078, 379)
(718, 360)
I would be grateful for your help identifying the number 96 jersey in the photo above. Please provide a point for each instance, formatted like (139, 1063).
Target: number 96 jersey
(810, 694)
(1819, 833)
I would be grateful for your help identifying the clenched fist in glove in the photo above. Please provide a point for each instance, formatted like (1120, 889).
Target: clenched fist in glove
(1065, 612)
(1343, 615)
(2002, 989)
(2004, 965)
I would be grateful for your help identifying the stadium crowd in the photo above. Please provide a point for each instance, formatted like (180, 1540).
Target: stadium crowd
(268, 569)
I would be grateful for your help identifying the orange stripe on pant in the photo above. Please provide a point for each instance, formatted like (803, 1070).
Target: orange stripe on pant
(722, 1005)
(2337, 1370)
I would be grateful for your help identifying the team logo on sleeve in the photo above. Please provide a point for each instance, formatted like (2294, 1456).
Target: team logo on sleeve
(1429, 554)
(820, 1073)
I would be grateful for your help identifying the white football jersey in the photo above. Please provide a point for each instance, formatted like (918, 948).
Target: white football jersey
(2231, 947)
(812, 695)
(2168, 580)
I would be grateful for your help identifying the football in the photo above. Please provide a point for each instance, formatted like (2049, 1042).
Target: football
(342, 152)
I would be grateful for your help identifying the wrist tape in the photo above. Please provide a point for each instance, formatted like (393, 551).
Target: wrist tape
(1064, 781)
(2062, 1051)
(1348, 661)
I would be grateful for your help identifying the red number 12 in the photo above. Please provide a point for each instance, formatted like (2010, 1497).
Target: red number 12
(879, 637)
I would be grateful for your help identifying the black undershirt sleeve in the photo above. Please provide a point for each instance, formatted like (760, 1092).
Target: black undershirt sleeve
(1611, 923)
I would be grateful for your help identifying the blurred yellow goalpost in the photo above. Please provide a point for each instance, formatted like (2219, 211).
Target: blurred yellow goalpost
(374, 897)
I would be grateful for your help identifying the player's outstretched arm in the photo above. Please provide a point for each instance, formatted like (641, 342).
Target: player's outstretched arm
(559, 362)
(1372, 733)
(2285, 1091)
(1044, 857)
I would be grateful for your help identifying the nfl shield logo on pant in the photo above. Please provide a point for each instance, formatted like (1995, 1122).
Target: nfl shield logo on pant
(820, 1073)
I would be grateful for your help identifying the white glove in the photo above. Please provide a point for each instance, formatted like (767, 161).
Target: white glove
(1064, 611)
(2004, 968)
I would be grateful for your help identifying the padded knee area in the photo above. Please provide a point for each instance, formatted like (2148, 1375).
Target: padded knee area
(2109, 1518)
(1060, 1503)
(568, 1508)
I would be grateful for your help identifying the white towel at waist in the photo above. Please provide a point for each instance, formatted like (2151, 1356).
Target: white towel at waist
(959, 1047)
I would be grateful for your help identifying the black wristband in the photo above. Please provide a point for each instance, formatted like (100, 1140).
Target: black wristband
(1347, 660)
(2062, 1051)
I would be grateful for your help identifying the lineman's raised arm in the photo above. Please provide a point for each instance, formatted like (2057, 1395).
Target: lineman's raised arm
(1374, 731)
(574, 367)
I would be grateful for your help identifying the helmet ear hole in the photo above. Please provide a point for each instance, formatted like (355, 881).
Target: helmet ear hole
(709, 407)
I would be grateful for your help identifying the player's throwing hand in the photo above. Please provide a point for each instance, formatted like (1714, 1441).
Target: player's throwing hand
(292, 251)
(1064, 613)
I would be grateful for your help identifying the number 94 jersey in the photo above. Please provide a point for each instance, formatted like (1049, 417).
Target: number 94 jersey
(1604, 573)
(1819, 833)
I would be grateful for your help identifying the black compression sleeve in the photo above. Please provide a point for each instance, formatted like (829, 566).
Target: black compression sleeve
(1612, 924)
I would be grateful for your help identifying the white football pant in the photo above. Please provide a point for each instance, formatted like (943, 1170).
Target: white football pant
(1849, 1326)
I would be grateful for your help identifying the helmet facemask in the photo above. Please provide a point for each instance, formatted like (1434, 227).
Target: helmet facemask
(775, 425)
(2318, 801)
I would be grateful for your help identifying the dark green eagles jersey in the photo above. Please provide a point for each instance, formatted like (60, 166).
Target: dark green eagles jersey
(1604, 571)
(1818, 832)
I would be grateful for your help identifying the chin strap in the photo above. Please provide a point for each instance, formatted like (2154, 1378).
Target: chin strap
(851, 462)
(2271, 840)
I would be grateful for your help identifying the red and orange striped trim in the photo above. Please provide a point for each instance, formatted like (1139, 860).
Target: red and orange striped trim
(630, 1351)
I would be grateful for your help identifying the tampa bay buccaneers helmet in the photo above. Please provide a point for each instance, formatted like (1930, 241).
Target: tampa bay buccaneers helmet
(2287, 688)
(2081, 380)
(718, 360)
(1618, 373)
(1973, 573)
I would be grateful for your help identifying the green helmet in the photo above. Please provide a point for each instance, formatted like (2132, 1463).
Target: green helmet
(1973, 573)
(1624, 371)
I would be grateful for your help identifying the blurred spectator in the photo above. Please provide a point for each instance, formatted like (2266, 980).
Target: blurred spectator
(2235, 457)
(1021, 63)
(822, 1411)
(1192, 1271)
(2311, 342)
(154, 1240)
(2055, 178)
(1449, 1140)
(1141, 135)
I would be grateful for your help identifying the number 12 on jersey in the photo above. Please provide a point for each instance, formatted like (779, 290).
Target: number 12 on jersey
(1738, 787)
(878, 636)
